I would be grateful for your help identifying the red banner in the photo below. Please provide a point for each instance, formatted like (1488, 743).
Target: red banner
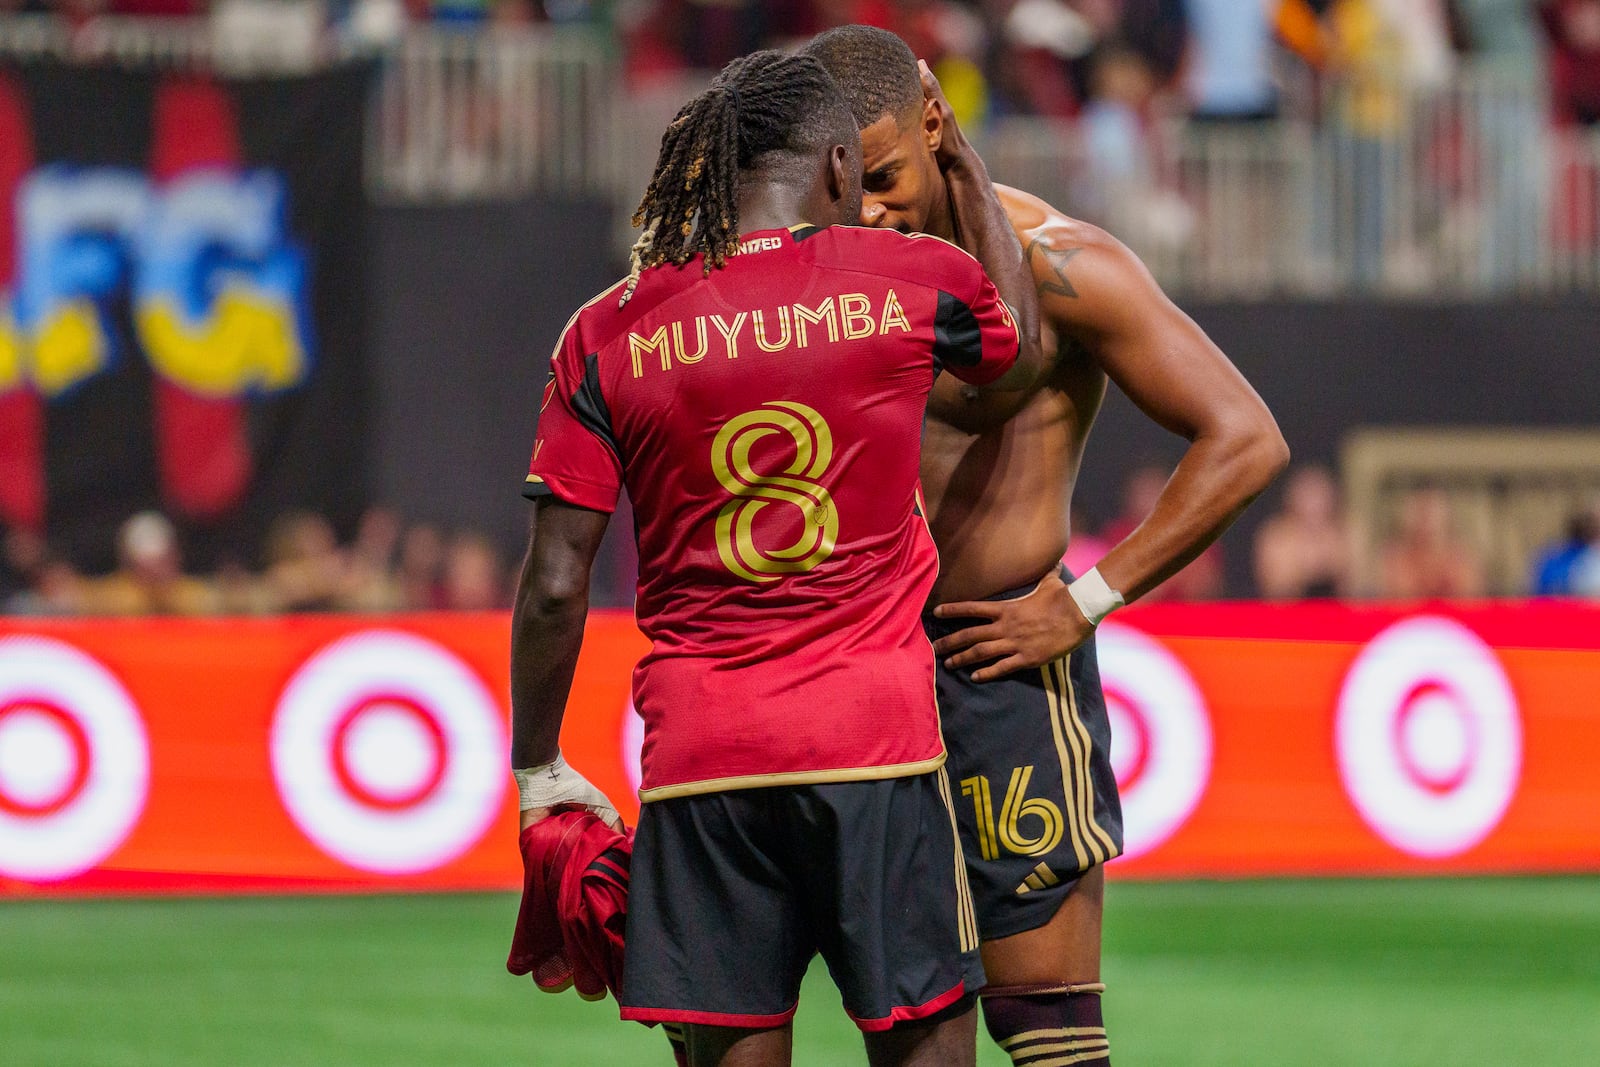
(370, 753)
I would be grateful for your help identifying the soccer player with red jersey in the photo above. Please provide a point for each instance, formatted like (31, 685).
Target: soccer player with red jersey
(758, 386)
(1019, 689)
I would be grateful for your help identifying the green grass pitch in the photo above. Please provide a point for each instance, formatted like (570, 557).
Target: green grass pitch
(1426, 973)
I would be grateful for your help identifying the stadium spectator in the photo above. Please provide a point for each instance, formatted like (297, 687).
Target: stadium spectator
(371, 23)
(1302, 551)
(1586, 572)
(34, 582)
(1046, 44)
(1115, 120)
(474, 576)
(21, 553)
(1425, 559)
(1504, 42)
(54, 589)
(1158, 30)
(370, 583)
(171, 8)
(1559, 566)
(149, 578)
(421, 566)
(1228, 73)
(1123, 186)
(1202, 578)
(306, 570)
(1573, 30)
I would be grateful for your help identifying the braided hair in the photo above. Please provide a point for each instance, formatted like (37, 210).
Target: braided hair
(761, 105)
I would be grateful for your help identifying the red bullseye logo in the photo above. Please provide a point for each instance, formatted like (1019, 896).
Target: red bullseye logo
(44, 758)
(1429, 737)
(74, 760)
(1130, 746)
(389, 752)
(1437, 739)
(378, 763)
(1160, 735)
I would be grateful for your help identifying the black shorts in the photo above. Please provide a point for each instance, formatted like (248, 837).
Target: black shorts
(732, 893)
(1030, 760)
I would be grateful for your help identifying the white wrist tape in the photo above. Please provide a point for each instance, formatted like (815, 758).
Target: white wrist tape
(557, 783)
(1094, 597)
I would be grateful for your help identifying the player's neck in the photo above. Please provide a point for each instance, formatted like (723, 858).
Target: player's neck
(941, 219)
(774, 206)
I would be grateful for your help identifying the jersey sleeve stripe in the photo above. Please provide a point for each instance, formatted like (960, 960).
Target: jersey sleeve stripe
(589, 404)
(957, 335)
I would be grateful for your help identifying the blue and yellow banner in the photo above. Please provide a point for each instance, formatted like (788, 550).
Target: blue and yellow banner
(181, 287)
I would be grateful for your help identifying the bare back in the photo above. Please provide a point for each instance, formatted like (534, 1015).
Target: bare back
(998, 469)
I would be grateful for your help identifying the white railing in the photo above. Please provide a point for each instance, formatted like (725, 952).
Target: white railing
(1467, 190)
(456, 115)
(239, 39)
(502, 113)
(1374, 186)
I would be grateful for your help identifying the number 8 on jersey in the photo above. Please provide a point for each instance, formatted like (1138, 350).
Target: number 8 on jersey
(796, 486)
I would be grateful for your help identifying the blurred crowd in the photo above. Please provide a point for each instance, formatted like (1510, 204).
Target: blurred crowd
(1304, 549)
(1110, 62)
(1307, 549)
(387, 566)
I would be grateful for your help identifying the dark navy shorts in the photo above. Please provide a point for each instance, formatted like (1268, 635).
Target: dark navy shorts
(732, 893)
(1030, 761)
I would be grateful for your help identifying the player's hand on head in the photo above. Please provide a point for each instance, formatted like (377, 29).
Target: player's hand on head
(1014, 635)
(954, 144)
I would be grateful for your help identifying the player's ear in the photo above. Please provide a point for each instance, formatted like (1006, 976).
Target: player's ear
(932, 125)
(838, 176)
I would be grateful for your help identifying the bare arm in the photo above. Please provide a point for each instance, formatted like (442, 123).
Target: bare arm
(984, 230)
(1173, 372)
(547, 628)
(1102, 298)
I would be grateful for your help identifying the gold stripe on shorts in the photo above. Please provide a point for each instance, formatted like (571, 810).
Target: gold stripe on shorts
(966, 918)
(1086, 778)
(1069, 777)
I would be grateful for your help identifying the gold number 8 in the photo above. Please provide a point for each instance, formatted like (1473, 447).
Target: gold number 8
(753, 491)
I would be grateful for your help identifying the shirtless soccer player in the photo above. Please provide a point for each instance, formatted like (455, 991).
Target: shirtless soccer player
(1027, 732)
(758, 385)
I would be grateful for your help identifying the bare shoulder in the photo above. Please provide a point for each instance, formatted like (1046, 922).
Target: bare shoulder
(1081, 270)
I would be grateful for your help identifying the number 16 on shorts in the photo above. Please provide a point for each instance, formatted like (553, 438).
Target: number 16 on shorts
(1007, 831)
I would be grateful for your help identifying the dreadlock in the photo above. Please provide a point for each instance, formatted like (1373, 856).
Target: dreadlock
(762, 103)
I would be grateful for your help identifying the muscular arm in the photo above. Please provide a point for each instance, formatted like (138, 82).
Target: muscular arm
(547, 625)
(1099, 297)
(1102, 297)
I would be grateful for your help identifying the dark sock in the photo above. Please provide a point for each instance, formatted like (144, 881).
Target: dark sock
(1054, 1029)
(680, 1051)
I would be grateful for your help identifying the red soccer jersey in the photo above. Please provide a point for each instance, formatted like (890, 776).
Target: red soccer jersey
(766, 421)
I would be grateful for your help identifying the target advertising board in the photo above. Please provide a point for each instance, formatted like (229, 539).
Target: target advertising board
(345, 753)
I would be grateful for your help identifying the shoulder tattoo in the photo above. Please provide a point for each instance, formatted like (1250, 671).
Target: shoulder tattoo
(1055, 261)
